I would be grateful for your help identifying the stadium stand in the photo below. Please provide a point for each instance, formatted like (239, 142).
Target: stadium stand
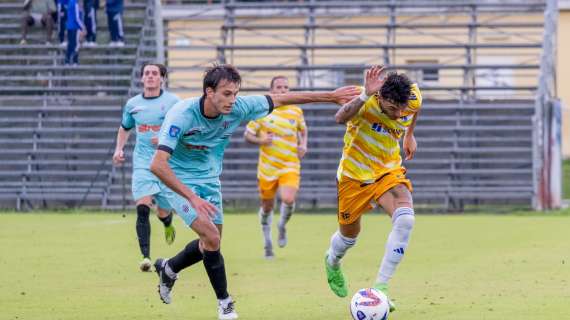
(59, 122)
(477, 63)
(481, 65)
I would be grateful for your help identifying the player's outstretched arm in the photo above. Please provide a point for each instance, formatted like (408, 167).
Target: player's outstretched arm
(122, 138)
(372, 84)
(162, 170)
(338, 96)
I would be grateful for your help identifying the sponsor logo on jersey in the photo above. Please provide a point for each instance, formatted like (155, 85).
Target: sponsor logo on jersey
(379, 128)
(192, 132)
(225, 124)
(195, 147)
(147, 127)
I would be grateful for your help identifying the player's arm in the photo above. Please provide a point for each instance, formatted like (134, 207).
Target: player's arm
(338, 96)
(122, 138)
(303, 142)
(372, 84)
(410, 145)
(161, 169)
(260, 141)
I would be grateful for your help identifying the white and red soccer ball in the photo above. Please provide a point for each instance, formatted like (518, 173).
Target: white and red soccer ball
(369, 304)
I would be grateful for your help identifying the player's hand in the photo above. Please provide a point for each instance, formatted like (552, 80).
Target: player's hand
(410, 146)
(374, 80)
(154, 140)
(202, 206)
(118, 157)
(345, 94)
(301, 151)
(267, 140)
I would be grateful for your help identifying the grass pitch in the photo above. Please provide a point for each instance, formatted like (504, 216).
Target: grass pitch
(85, 266)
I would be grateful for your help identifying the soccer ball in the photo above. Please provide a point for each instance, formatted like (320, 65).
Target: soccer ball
(369, 304)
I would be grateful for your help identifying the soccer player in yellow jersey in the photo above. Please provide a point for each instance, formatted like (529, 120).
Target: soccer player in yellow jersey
(370, 172)
(282, 137)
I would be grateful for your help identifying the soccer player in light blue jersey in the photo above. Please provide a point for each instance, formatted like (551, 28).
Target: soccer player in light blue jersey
(145, 112)
(191, 147)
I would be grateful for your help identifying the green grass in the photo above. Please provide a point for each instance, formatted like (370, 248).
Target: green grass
(85, 266)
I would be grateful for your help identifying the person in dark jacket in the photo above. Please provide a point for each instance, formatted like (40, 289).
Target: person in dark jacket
(114, 9)
(75, 28)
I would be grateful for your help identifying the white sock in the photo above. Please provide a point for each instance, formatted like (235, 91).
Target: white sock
(339, 245)
(224, 302)
(266, 218)
(402, 224)
(285, 213)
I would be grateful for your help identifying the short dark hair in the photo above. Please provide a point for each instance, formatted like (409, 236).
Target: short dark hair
(218, 72)
(397, 88)
(275, 78)
(161, 68)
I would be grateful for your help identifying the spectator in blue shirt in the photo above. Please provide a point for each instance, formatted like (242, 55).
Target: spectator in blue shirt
(114, 10)
(75, 27)
(90, 7)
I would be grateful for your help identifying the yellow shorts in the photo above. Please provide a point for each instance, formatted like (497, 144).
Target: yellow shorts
(355, 198)
(267, 189)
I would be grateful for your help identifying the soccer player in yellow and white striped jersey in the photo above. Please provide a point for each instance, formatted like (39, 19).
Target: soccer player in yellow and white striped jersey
(370, 172)
(282, 137)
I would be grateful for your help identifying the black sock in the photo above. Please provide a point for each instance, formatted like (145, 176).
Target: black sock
(143, 229)
(187, 257)
(166, 220)
(214, 264)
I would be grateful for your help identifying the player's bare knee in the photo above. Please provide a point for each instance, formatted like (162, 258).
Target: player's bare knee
(211, 240)
(288, 200)
(267, 207)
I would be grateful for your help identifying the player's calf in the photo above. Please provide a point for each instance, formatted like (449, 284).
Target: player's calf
(266, 219)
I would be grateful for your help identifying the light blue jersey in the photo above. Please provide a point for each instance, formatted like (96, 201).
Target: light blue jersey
(197, 144)
(147, 114)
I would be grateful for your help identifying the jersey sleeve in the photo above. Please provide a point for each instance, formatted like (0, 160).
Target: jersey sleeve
(128, 121)
(173, 128)
(254, 107)
(253, 127)
(415, 101)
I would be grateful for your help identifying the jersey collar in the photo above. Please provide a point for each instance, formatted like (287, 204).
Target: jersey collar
(202, 99)
(160, 94)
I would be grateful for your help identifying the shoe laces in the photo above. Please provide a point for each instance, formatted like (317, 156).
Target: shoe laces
(229, 308)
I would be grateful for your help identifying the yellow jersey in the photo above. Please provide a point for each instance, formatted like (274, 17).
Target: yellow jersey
(371, 142)
(281, 155)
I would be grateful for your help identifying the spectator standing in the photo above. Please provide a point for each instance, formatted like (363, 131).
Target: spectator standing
(61, 21)
(114, 10)
(75, 27)
(38, 13)
(90, 7)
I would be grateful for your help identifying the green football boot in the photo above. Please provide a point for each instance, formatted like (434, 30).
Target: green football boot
(169, 234)
(384, 288)
(336, 280)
